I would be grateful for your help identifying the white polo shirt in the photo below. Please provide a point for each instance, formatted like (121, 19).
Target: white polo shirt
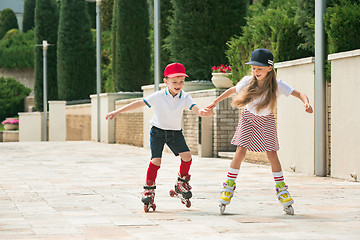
(168, 109)
(282, 89)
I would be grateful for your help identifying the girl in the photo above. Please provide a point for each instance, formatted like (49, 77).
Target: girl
(257, 128)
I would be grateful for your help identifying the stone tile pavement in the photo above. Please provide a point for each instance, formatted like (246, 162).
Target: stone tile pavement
(88, 190)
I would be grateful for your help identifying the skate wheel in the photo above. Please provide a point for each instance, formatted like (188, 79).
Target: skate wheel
(172, 193)
(188, 204)
(289, 210)
(146, 208)
(222, 208)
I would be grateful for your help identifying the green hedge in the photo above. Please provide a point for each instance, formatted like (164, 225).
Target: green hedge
(17, 50)
(342, 25)
(269, 27)
(76, 61)
(12, 97)
(199, 31)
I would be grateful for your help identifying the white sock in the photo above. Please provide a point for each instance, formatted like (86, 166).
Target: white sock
(232, 174)
(278, 177)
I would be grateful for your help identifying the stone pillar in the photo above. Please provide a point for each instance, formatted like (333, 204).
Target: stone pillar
(31, 127)
(107, 104)
(57, 121)
(295, 126)
(345, 127)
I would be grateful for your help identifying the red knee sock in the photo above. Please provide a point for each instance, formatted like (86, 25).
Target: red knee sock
(184, 168)
(152, 172)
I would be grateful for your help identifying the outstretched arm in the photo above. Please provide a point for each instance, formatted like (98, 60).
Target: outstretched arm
(129, 107)
(304, 99)
(202, 112)
(223, 96)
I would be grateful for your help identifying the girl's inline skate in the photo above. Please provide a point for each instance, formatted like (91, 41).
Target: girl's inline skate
(226, 194)
(182, 190)
(148, 196)
(284, 197)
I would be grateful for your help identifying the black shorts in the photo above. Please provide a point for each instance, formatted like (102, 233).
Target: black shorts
(173, 138)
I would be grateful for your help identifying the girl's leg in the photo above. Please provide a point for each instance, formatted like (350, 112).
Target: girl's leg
(275, 166)
(238, 158)
(229, 185)
(281, 189)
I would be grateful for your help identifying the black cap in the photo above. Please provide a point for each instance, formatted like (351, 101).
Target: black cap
(261, 57)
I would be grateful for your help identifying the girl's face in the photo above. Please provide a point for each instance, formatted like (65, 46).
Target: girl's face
(175, 84)
(260, 72)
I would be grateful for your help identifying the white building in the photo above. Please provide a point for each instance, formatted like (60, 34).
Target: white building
(17, 6)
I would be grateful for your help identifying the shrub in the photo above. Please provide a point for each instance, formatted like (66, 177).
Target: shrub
(7, 21)
(76, 62)
(12, 98)
(17, 50)
(28, 16)
(46, 25)
(269, 27)
(342, 23)
(199, 31)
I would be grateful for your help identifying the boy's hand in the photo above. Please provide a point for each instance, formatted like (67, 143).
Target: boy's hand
(308, 108)
(111, 115)
(206, 112)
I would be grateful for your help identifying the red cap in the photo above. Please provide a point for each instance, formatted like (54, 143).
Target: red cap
(175, 70)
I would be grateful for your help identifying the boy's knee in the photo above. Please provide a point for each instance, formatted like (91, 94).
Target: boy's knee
(185, 156)
(156, 161)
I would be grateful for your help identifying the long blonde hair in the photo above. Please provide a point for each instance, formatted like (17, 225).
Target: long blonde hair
(252, 92)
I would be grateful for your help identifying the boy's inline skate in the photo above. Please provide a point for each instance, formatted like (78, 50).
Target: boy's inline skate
(226, 194)
(148, 196)
(182, 190)
(284, 198)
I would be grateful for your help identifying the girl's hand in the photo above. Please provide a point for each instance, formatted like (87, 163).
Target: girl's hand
(308, 108)
(211, 106)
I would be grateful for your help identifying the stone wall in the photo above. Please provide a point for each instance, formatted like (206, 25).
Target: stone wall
(129, 125)
(78, 122)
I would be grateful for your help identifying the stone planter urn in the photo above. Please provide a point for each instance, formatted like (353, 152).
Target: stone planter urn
(11, 126)
(221, 80)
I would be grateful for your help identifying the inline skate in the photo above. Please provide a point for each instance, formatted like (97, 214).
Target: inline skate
(284, 197)
(182, 190)
(227, 193)
(148, 196)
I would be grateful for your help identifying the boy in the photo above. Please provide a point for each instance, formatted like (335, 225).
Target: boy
(169, 104)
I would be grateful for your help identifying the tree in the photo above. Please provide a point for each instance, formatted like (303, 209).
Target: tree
(76, 52)
(7, 21)
(106, 14)
(199, 31)
(46, 25)
(28, 17)
(131, 48)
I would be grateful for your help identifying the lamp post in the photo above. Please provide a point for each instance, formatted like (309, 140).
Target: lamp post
(320, 90)
(157, 44)
(98, 63)
(45, 46)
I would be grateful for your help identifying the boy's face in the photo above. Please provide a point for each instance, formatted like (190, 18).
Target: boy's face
(175, 84)
(260, 72)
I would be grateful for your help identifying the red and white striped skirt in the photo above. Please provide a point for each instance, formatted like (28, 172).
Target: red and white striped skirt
(256, 133)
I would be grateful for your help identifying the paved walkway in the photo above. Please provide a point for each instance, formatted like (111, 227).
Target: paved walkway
(87, 190)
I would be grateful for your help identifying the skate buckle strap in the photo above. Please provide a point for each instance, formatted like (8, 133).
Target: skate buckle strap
(149, 187)
(187, 179)
(229, 187)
